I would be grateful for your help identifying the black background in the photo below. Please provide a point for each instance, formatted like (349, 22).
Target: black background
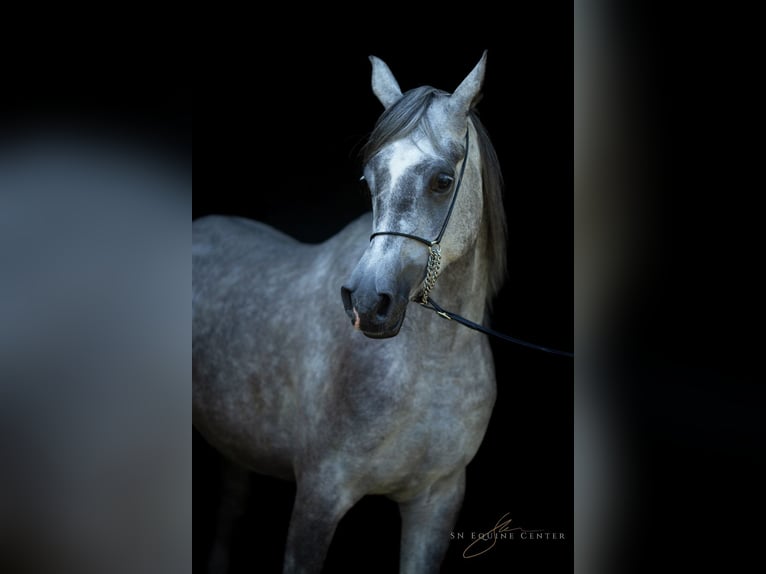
(290, 137)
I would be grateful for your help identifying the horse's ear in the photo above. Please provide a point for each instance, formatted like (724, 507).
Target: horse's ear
(384, 85)
(469, 89)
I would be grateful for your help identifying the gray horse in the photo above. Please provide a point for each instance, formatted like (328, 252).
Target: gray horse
(366, 402)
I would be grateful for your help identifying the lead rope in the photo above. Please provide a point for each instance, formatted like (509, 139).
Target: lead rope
(429, 303)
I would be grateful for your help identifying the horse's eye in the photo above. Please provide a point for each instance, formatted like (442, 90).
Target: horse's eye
(442, 183)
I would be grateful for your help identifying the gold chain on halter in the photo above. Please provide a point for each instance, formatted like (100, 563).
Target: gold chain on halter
(432, 270)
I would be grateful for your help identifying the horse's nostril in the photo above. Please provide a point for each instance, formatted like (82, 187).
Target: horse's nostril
(345, 295)
(384, 304)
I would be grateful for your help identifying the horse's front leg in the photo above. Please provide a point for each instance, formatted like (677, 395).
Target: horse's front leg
(426, 524)
(320, 503)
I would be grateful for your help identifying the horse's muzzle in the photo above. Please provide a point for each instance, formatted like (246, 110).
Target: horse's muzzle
(377, 315)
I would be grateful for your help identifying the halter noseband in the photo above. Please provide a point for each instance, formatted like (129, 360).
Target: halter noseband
(434, 250)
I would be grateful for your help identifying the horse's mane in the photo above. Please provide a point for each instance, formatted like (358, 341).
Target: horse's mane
(407, 114)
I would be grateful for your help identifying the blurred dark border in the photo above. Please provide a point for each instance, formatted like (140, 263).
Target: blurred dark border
(95, 193)
(669, 242)
(139, 93)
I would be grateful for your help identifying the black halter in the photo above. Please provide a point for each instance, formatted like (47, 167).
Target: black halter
(434, 264)
(437, 241)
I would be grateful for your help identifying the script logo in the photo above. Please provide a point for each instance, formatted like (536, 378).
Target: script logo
(483, 542)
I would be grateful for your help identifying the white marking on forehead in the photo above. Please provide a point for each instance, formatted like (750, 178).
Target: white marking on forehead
(405, 154)
(400, 156)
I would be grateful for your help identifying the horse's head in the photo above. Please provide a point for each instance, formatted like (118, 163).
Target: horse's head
(417, 158)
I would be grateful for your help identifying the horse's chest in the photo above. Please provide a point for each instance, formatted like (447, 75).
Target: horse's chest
(449, 417)
(432, 431)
